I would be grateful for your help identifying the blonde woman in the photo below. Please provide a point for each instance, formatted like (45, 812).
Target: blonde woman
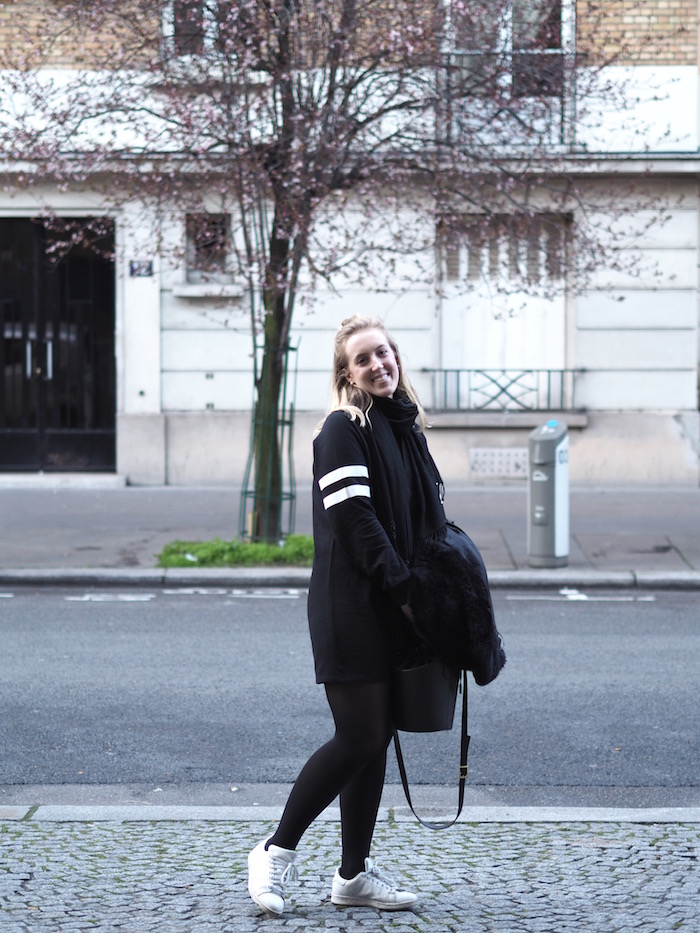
(376, 492)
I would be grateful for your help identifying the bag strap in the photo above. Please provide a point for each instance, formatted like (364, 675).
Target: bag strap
(463, 766)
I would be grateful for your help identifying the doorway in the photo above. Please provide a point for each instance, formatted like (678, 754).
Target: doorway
(58, 388)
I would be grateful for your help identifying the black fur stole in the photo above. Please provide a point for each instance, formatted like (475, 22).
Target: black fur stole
(451, 603)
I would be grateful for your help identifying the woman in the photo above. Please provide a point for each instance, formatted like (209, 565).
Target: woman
(376, 492)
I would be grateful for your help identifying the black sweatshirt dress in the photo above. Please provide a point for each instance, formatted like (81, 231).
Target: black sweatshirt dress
(375, 491)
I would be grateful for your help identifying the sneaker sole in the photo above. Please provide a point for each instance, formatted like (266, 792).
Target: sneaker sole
(342, 901)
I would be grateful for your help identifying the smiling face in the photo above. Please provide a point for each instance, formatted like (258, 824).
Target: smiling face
(372, 364)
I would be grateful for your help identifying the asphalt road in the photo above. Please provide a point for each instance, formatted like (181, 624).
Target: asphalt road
(596, 706)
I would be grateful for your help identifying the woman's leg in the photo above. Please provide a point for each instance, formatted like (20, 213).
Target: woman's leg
(352, 762)
(359, 803)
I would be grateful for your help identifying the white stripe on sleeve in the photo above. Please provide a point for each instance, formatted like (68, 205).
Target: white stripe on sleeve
(347, 492)
(346, 472)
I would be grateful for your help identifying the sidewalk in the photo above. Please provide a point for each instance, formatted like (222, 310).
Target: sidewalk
(528, 872)
(92, 530)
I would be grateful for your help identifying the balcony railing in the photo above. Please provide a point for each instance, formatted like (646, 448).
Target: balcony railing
(541, 85)
(503, 390)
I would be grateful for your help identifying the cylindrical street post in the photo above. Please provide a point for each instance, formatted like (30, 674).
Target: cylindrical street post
(548, 496)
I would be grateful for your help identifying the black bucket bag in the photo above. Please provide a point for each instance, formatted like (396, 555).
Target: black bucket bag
(453, 618)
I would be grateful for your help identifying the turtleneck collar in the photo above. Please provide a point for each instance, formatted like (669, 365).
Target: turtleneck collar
(399, 411)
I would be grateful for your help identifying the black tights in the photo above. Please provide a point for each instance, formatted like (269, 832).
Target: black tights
(352, 764)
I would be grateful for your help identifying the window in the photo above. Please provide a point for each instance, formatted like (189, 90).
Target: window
(519, 44)
(193, 27)
(507, 247)
(208, 248)
(503, 296)
(537, 45)
(188, 27)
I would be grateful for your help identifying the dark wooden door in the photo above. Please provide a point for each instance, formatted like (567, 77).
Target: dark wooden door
(57, 395)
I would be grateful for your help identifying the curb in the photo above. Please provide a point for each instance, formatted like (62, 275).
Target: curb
(298, 577)
(294, 577)
(122, 814)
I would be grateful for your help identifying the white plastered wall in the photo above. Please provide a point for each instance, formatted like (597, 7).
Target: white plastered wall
(141, 448)
(634, 334)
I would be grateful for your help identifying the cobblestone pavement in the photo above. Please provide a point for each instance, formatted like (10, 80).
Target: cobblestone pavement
(190, 877)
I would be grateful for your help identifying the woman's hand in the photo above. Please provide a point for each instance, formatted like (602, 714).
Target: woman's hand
(406, 609)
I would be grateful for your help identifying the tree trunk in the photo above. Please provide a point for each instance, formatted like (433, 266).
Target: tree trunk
(267, 521)
(267, 525)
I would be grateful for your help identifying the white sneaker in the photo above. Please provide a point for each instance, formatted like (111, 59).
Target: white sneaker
(370, 889)
(269, 870)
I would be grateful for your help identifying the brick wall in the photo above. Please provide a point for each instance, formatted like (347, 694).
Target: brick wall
(653, 32)
(48, 32)
(639, 32)
(37, 33)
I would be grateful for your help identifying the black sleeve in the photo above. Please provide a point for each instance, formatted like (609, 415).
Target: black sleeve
(342, 477)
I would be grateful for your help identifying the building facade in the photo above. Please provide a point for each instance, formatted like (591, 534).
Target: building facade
(140, 365)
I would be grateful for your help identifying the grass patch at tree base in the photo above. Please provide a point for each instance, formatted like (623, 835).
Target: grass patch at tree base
(294, 550)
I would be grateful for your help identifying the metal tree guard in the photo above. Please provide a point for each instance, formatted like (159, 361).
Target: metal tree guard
(250, 496)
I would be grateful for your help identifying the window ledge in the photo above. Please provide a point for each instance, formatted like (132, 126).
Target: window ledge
(207, 290)
(504, 419)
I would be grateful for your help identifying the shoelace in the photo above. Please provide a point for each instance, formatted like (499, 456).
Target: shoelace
(280, 876)
(371, 869)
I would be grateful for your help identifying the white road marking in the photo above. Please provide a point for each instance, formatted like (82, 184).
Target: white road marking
(567, 594)
(112, 598)
(267, 594)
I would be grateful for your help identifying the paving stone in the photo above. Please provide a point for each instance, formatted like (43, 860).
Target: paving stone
(179, 877)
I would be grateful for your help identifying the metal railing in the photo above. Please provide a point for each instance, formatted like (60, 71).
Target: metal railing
(545, 77)
(503, 390)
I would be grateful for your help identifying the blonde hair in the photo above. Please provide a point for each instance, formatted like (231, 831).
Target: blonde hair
(350, 398)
